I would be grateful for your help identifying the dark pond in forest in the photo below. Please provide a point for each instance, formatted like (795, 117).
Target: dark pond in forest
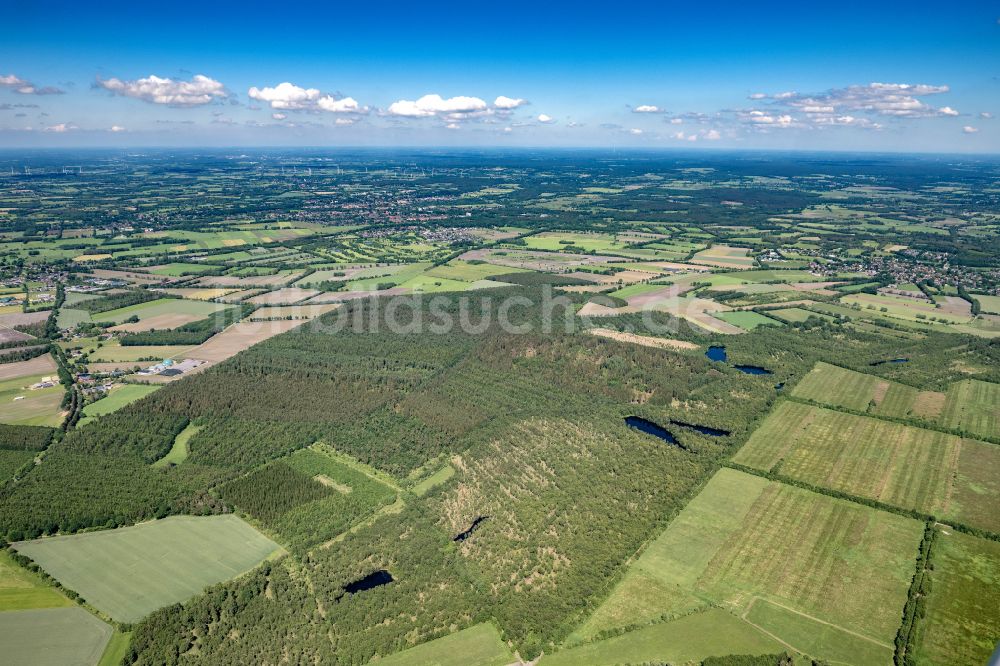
(372, 580)
(890, 360)
(704, 430)
(653, 429)
(717, 354)
(752, 369)
(465, 535)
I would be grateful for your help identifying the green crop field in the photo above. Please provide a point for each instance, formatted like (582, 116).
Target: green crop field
(21, 589)
(466, 272)
(795, 315)
(839, 387)
(119, 397)
(973, 406)
(110, 353)
(988, 303)
(848, 572)
(160, 306)
(913, 468)
(479, 644)
(962, 625)
(690, 639)
(52, 637)
(746, 319)
(131, 571)
(22, 406)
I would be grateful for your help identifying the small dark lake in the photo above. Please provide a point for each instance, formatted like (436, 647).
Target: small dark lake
(653, 429)
(704, 430)
(465, 535)
(717, 354)
(890, 360)
(752, 369)
(372, 580)
(778, 387)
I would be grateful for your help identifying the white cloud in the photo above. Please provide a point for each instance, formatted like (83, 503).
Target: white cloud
(117, 128)
(676, 121)
(543, 118)
(60, 128)
(756, 117)
(24, 87)
(712, 135)
(285, 95)
(155, 90)
(986, 115)
(342, 105)
(507, 103)
(507, 129)
(344, 121)
(646, 108)
(947, 111)
(453, 126)
(432, 105)
(757, 96)
(969, 129)
(279, 116)
(635, 131)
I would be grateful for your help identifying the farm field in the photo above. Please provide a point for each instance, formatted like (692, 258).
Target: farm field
(53, 637)
(157, 322)
(120, 396)
(971, 406)
(912, 468)
(163, 306)
(746, 319)
(963, 616)
(795, 315)
(130, 571)
(712, 632)
(724, 256)
(238, 337)
(479, 644)
(21, 589)
(20, 405)
(724, 548)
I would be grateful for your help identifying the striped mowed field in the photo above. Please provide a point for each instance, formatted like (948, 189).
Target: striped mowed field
(131, 571)
(912, 468)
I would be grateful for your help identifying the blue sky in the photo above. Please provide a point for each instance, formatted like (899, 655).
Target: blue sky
(851, 76)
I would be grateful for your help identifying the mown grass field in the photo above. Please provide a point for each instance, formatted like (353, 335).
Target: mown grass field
(839, 387)
(795, 315)
(21, 589)
(159, 307)
(974, 407)
(131, 571)
(747, 320)
(834, 565)
(908, 467)
(120, 396)
(479, 644)
(20, 405)
(52, 637)
(971, 405)
(962, 624)
(690, 639)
